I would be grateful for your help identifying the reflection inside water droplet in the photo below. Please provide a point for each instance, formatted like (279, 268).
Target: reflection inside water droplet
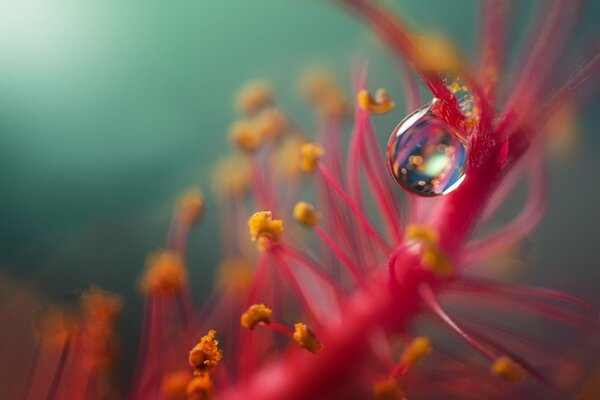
(425, 156)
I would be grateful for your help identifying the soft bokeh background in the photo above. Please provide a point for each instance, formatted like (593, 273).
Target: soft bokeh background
(109, 109)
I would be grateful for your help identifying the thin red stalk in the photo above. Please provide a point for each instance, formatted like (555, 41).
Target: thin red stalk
(429, 299)
(62, 362)
(364, 221)
(353, 269)
(532, 291)
(280, 328)
(492, 54)
(523, 224)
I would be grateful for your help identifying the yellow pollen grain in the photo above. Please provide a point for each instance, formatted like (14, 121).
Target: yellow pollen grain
(263, 226)
(206, 354)
(243, 135)
(306, 338)
(253, 96)
(191, 207)
(311, 155)
(507, 369)
(387, 390)
(416, 350)
(200, 388)
(231, 176)
(165, 274)
(381, 104)
(256, 314)
(435, 53)
(305, 214)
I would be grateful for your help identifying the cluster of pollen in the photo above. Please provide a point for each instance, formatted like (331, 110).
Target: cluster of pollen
(191, 207)
(243, 135)
(466, 103)
(416, 350)
(256, 314)
(165, 274)
(381, 104)
(263, 226)
(174, 385)
(311, 155)
(200, 388)
(305, 214)
(432, 258)
(306, 338)
(231, 177)
(507, 369)
(206, 354)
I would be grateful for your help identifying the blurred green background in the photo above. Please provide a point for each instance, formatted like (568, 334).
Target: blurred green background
(109, 109)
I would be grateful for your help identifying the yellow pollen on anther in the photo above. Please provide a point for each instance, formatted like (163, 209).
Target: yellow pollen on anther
(244, 136)
(311, 155)
(435, 53)
(378, 105)
(191, 206)
(322, 90)
(507, 369)
(387, 390)
(305, 214)
(165, 274)
(206, 354)
(416, 350)
(235, 274)
(263, 226)
(231, 176)
(200, 388)
(256, 314)
(432, 257)
(306, 338)
(253, 96)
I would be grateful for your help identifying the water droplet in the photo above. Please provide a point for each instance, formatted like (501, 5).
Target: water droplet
(425, 155)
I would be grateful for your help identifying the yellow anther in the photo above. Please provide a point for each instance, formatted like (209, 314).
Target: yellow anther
(306, 338)
(288, 158)
(174, 385)
(305, 214)
(387, 390)
(256, 314)
(101, 307)
(200, 388)
(378, 105)
(506, 368)
(435, 261)
(435, 53)
(165, 274)
(262, 225)
(311, 155)
(432, 258)
(206, 354)
(416, 350)
(191, 206)
(421, 232)
(235, 274)
(321, 89)
(270, 123)
(231, 176)
(244, 136)
(253, 96)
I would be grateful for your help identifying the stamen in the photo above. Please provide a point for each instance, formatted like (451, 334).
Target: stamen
(507, 369)
(244, 136)
(174, 385)
(432, 257)
(263, 226)
(165, 274)
(206, 354)
(416, 351)
(387, 390)
(305, 214)
(191, 207)
(253, 96)
(256, 314)
(306, 338)
(381, 104)
(311, 155)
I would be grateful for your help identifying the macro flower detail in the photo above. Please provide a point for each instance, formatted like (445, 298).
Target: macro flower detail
(386, 294)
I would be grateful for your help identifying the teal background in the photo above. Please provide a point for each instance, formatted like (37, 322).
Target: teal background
(109, 109)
